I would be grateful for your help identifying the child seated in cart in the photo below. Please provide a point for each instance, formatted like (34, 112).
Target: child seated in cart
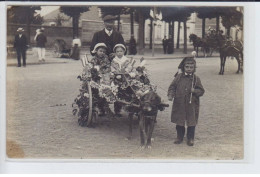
(101, 63)
(101, 70)
(121, 69)
(121, 64)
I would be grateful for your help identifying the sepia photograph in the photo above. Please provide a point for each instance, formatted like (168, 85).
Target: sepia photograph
(125, 82)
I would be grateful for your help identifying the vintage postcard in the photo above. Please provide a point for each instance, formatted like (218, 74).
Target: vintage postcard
(125, 82)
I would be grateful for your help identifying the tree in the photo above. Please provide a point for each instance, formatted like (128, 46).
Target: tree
(185, 36)
(59, 20)
(210, 12)
(17, 14)
(203, 13)
(132, 42)
(143, 14)
(74, 13)
(178, 35)
(169, 15)
(24, 15)
(151, 32)
(231, 17)
(182, 15)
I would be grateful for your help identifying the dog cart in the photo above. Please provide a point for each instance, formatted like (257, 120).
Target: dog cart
(124, 89)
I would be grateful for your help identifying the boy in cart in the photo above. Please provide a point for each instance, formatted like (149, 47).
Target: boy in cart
(185, 91)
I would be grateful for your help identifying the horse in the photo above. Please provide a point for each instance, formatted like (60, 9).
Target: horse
(199, 42)
(229, 48)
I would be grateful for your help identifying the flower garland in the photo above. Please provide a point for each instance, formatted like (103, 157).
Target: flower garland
(137, 80)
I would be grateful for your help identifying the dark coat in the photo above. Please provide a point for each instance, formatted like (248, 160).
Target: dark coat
(165, 42)
(110, 41)
(180, 90)
(41, 40)
(20, 43)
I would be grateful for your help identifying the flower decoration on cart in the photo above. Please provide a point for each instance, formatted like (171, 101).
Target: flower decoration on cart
(133, 78)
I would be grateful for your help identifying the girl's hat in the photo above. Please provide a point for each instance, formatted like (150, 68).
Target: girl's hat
(97, 46)
(20, 29)
(119, 45)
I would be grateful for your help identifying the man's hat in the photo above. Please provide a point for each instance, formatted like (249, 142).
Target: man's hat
(20, 29)
(97, 46)
(109, 18)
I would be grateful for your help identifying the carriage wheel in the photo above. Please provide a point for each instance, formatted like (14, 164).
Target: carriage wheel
(57, 50)
(90, 116)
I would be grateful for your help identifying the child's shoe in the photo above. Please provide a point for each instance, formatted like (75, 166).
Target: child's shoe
(178, 141)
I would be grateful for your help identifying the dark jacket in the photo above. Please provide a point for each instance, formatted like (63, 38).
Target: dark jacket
(165, 42)
(180, 90)
(110, 41)
(41, 40)
(20, 43)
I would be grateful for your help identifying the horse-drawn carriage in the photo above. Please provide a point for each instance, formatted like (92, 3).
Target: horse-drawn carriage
(136, 94)
(226, 46)
(208, 44)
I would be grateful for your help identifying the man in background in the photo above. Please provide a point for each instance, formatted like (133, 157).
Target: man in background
(20, 44)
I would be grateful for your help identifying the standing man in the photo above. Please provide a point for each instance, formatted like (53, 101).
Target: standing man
(20, 44)
(40, 44)
(165, 44)
(108, 35)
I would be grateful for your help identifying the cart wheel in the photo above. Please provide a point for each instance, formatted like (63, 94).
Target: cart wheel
(90, 116)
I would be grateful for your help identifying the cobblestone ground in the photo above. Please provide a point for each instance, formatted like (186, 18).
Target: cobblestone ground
(40, 123)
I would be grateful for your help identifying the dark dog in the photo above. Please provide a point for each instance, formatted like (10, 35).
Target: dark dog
(150, 103)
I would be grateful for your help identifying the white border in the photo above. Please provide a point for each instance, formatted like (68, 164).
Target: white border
(250, 164)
